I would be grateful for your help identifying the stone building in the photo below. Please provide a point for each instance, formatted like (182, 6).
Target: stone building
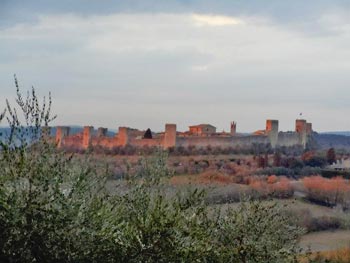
(202, 130)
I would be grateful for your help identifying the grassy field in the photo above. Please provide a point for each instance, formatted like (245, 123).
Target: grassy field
(326, 240)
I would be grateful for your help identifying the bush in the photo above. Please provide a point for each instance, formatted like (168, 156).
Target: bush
(329, 192)
(250, 236)
(226, 194)
(307, 171)
(316, 161)
(324, 223)
(277, 171)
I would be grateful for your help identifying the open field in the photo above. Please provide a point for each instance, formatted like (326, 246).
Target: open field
(326, 240)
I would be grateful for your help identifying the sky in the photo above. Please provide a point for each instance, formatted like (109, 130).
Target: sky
(144, 63)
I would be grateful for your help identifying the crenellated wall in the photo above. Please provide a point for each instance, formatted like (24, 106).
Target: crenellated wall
(102, 132)
(105, 142)
(170, 138)
(75, 140)
(288, 139)
(217, 141)
(146, 142)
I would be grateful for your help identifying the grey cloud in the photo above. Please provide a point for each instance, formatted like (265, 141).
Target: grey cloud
(143, 70)
(296, 11)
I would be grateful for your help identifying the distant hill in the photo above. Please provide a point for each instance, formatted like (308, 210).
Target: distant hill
(73, 130)
(333, 140)
(344, 133)
(78, 129)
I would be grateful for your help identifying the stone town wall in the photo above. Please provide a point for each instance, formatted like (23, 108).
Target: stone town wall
(214, 141)
(146, 142)
(224, 142)
(170, 137)
(75, 140)
(288, 139)
(105, 142)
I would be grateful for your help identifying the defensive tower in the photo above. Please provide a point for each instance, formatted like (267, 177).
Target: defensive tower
(123, 136)
(308, 128)
(87, 134)
(61, 132)
(272, 131)
(169, 136)
(233, 128)
(301, 129)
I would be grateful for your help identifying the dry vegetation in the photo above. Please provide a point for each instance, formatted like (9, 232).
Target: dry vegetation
(330, 192)
(336, 256)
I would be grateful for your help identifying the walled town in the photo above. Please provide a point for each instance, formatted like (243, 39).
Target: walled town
(202, 135)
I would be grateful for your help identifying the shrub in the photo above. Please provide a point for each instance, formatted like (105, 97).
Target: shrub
(231, 193)
(271, 234)
(316, 161)
(216, 177)
(307, 171)
(282, 188)
(329, 192)
(331, 156)
(324, 223)
(264, 187)
(277, 171)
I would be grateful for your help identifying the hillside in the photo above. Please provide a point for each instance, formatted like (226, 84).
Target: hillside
(335, 140)
(344, 133)
(74, 129)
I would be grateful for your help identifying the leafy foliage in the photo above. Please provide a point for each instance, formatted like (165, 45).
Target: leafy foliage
(265, 237)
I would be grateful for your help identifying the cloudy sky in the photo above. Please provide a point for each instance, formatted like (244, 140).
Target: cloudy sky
(142, 63)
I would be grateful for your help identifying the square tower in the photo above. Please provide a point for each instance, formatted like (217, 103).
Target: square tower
(308, 128)
(300, 125)
(169, 136)
(123, 136)
(61, 132)
(301, 129)
(233, 128)
(87, 134)
(272, 132)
